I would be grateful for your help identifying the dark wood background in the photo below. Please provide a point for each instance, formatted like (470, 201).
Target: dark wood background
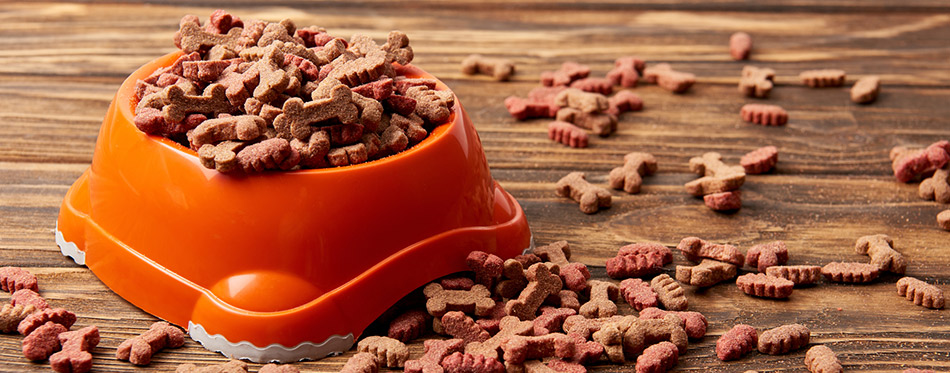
(60, 64)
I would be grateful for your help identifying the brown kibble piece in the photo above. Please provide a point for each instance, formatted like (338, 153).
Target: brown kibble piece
(221, 157)
(760, 161)
(593, 85)
(603, 295)
(943, 219)
(850, 272)
(337, 103)
(519, 348)
(459, 325)
(740, 44)
(756, 82)
(694, 248)
(584, 327)
(542, 283)
(233, 366)
(762, 285)
(43, 341)
(179, 104)
(708, 273)
(671, 80)
(140, 349)
(408, 325)
(866, 89)
(567, 299)
(639, 259)
(389, 352)
(313, 153)
(936, 187)
(363, 362)
(921, 293)
(763, 114)
(238, 127)
(783, 339)
(658, 358)
(509, 326)
(269, 154)
(638, 293)
(591, 198)
(16, 278)
(11, 316)
(626, 71)
(435, 352)
(74, 356)
(910, 164)
(737, 342)
(724, 201)
(693, 322)
(475, 301)
(514, 280)
(501, 69)
(717, 176)
(194, 38)
(569, 72)
(40, 317)
(766, 255)
(274, 368)
(432, 105)
(880, 247)
(551, 320)
(487, 267)
(669, 292)
(821, 359)
(28, 297)
(823, 78)
(586, 102)
(611, 336)
(601, 124)
(573, 275)
(800, 274)
(629, 176)
(645, 332)
(567, 133)
(623, 102)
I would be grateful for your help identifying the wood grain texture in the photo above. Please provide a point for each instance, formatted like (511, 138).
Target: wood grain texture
(60, 64)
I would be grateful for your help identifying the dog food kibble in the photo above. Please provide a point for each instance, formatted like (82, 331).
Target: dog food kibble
(519, 348)
(716, 175)
(767, 255)
(763, 114)
(737, 342)
(657, 358)
(740, 44)
(586, 102)
(695, 248)
(670, 293)
(593, 85)
(850, 272)
(584, 327)
(27, 296)
(574, 275)
(11, 316)
(569, 72)
(38, 318)
(603, 295)
(943, 219)
(629, 177)
(637, 293)
(866, 89)
(591, 198)
(783, 339)
(915, 370)
(509, 326)
(724, 201)
(880, 248)
(476, 301)
(638, 260)
(363, 362)
(542, 283)
(568, 134)
(760, 161)
(409, 325)
(457, 283)
(140, 349)
(800, 274)
(43, 341)
(233, 366)
(911, 164)
(487, 267)
(921, 293)
(821, 359)
(522, 109)
(708, 273)
(600, 123)
(513, 279)
(561, 366)
(645, 332)
(501, 69)
(551, 319)
(823, 78)
(671, 80)
(274, 368)
(459, 362)
(459, 325)
(693, 322)
(623, 102)
(15, 278)
(756, 82)
(585, 352)
(74, 356)
(762, 285)
(389, 352)
(611, 336)
(936, 187)
(626, 71)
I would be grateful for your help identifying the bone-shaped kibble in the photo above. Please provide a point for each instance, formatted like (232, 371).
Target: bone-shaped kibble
(510, 326)
(11, 316)
(660, 357)
(762, 114)
(519, 348)
(43, 341)
(541, 284)
(28, 297)
(435, 352)
(584, 327)
(514, 280)
(140, 349)
(740, 44)
(693, 322)
(695, 248)
(626, 71)
(670, 293)
(921, 293)
(717, 176)
(603, 295)
(850, 272)
(756, 82)
(567, 73)
(363, 362)
(566, 299)
(707, 273)
(866, 89)
(645, 332)
(909, 164)
(585, 352)
(567, 133)
(601, 124)
(38, 318)
(431, 105)
(551, 319)
(737, 342)
(269, 154)
(762, 285)
(759, 161)
(180, 104)
(671, 80)
(282, 31)
(880, 248)
(313, 152)
(936, 187)
(459, 325)
(821, 359)
(823, 78)
(492, 322)
(194, 38)
(233, 366)
(501, 69)
(611, 336)
(783, 339)
(389, 352)
(297, 116)
(74, 356)
(362, 70)
(800, 274)
(638, 293)
(639, 259)
(221, 157)
(487, 267)
(586, 102)
(593, 85)
(15, 278)
(240, 85)
(623, 102)
(573, 275)
(766, 255)
(241, 127)
(629, 176)
(590, 197)
(476, 301)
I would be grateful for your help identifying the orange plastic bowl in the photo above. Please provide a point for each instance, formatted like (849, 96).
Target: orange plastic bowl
(280, 266)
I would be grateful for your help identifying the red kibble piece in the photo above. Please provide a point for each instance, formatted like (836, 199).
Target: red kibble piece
(626, 71)
(693, 322)
(783, 339)
(850, 272)
(766, 115)
(522, 109)
(694, 249)
(28, 297)
(461, 326)
(37, 319)
(551, 319)
(638, 293)
(43, 341)
(518, 348)
(766, 255)
(220, 22)
(492, 322)
(569, 72)
(658, 358)
(509, 326)
(140, 349)
(378, 89)
(823, 78)
(724, 201)
(567, 134)
(274, 368)
(459, 362)
(638, 260)
(623, 102)
(270, 154)
(457, 283)
(740, 44)
(487, 267)
(911, 164)
(760, 161)
(596, 85)
(737, 342)
(562, 366)
(409, 325)
(585, 352)
(435, 352)
(574, 275)
(75, 356)
(800, 275)
(15, 278)
(762, 285)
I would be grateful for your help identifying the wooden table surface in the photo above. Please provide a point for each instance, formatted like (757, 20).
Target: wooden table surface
(60, 64)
